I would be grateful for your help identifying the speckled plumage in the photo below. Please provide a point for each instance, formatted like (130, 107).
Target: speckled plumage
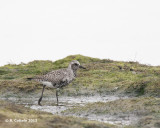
(58, 78)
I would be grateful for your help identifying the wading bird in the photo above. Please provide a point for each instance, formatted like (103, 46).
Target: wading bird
(58, 78)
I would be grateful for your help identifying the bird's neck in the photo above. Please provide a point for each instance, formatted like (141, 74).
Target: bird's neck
(72, 70)
(75, 73)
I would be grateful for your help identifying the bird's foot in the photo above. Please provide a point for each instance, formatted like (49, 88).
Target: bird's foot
(39, 104)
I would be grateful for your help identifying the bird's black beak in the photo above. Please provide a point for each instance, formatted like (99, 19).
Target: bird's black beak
(82, 67)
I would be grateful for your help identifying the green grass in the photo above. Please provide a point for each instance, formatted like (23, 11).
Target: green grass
(143, 105)
(44, 119)
(145, 108)
(101, 75)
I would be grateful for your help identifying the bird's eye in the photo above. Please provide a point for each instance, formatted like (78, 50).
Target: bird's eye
(76, 64)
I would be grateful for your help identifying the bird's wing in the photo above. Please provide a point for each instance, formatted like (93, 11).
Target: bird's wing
(55, 76)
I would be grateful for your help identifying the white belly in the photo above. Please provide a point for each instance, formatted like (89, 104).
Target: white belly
(48, 84)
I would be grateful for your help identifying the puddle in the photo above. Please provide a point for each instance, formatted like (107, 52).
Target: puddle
(49, 105)
(69, 102)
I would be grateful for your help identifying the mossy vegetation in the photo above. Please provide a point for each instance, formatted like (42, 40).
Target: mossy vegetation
(144, 108)
(102, 76)
(41, 119)
(143, 105)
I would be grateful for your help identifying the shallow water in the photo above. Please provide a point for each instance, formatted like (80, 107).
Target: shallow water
(49, 105)
(70, 102)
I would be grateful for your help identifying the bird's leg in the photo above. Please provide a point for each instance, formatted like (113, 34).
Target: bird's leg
(57, 95)
(41, 96)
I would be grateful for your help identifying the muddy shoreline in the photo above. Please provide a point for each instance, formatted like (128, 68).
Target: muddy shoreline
(126, 94)
(49, 105)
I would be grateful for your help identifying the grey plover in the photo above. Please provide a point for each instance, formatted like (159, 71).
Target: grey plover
(58, 78)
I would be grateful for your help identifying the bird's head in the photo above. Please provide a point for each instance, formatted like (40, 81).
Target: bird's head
(74, 65)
